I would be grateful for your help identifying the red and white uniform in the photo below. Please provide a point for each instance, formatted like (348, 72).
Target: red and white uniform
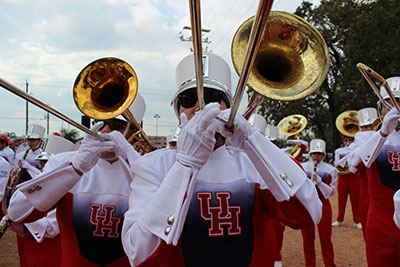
(89, 215)
(381, 156)
(347, 185)
(5, 169)
(363, 200)
(8, 154)
(325, 189)
(30, 157)
(224, 210)
(40, 243)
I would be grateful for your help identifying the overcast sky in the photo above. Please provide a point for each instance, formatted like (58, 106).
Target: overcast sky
(48, 43)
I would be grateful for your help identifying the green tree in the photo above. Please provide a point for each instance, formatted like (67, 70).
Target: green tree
(354, 31)
(71, 135)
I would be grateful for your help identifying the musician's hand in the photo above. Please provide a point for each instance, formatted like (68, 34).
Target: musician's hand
(241, 129)
(90, 150)
(121, 146)
(318, 179)
(197, 137)
(390, 122)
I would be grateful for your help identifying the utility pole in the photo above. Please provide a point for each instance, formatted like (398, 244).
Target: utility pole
(157, 116)
(204, 39)
(27, 112)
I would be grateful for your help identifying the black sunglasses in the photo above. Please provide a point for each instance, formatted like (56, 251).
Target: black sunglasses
(114, 125)
(188, 99)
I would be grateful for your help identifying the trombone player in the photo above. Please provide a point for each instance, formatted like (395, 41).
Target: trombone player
(209, 199)
(379, 157)
(90, 189)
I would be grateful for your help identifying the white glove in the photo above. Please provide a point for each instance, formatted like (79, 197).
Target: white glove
(390, 121)
(241, 129)
(196, 140)
(26, 165)
(121, 145)
(90, 150)
(318, 179)
(296, 142)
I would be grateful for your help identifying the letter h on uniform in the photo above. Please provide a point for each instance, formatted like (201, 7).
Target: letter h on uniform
(221, 215)
(104, 223)
(394, 161)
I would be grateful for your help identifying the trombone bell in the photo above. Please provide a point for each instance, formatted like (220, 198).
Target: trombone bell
(105, 88)
(292, 60)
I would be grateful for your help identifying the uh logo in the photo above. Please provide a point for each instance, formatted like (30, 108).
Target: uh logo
(221, 215)
(395, 161)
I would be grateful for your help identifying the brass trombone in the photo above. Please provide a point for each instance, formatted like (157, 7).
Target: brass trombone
(276, 54)
(104, 89)
(367, 72)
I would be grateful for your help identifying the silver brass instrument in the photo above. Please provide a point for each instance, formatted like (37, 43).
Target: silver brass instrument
(314, 173)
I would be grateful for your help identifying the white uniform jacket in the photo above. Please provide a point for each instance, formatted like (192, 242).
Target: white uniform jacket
(5, 169)
(214, 215)
(9, 154)
(328, 176)
(90, 208)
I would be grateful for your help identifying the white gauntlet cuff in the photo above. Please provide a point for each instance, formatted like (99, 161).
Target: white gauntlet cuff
(281, 174)
(47, 189)
(165, 215)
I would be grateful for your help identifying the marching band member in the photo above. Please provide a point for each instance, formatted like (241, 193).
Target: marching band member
(34, 139)
(41, 239)
(380, 156)
(259, 123)
(90, 189)
(5, 151)
(348, 185)
(367, 118)
(207, 203)
(324, 177)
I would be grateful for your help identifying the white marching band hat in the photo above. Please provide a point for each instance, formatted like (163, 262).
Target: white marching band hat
(317, 145)
(216, 75)
(367, 116)
(54, 144)
(394, 84)
(272, 132)
(174, 137)
(137, 108)
(35, 132)
(258, 122)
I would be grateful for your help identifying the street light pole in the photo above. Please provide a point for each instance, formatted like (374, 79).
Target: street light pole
(157, 116)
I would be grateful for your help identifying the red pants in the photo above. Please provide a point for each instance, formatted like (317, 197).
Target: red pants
(325, 233)
(363, 201)
(279, 228)
(348, 185)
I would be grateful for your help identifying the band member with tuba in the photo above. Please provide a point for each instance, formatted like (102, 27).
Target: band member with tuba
(380, 157)
(291, 126)
(90, 189)
(207, 203)
(348, 183)
(324, 177)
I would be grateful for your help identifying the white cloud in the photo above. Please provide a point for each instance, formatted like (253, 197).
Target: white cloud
(49, 42)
